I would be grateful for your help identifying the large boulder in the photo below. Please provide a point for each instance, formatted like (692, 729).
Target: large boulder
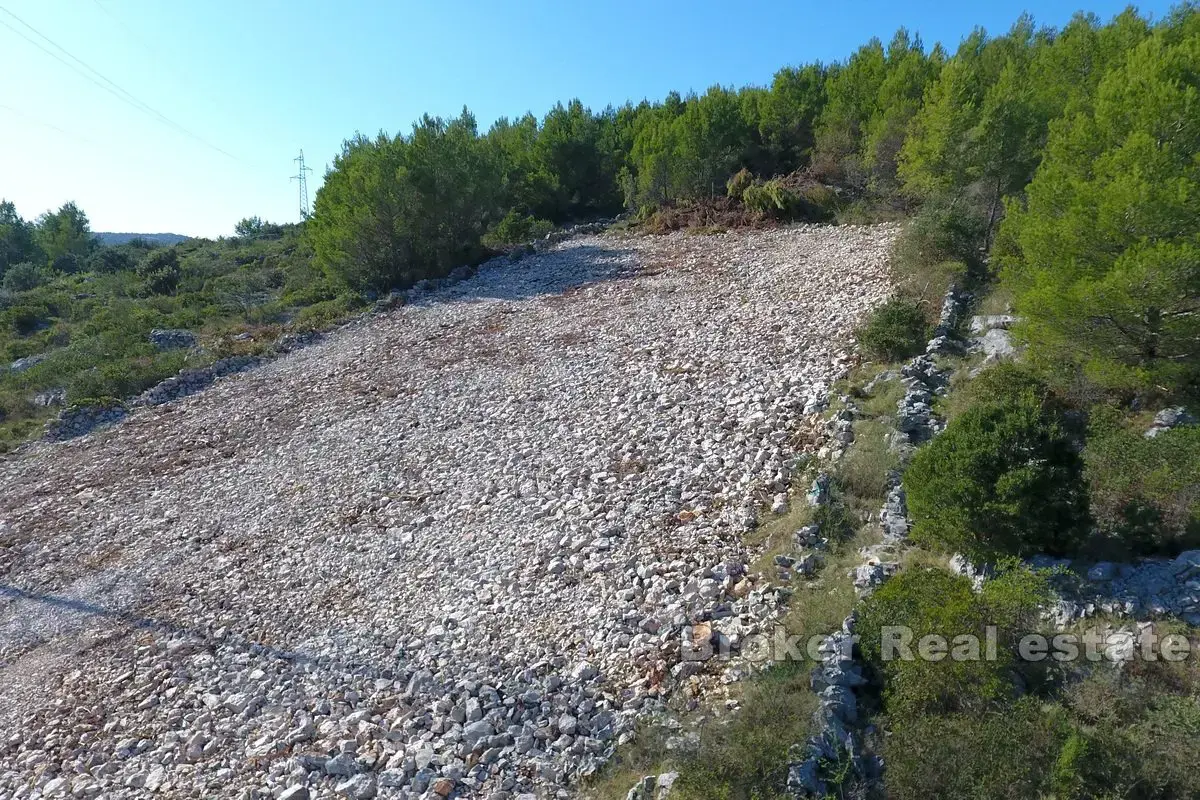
(1169, 418)
(172, 339)
(996, 345)
(50, 398)
(22, 364)
(982, 324)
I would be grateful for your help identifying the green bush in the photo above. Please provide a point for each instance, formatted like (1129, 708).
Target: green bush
(931, 601)
(160, 271)
(998, 753)
(67, 264)
(24, 277)
(1112, 733)
(1006, 381)
(736, 186)
(517, 228)
(1146, 492)
(960, 711)
(397, 209)
(122, 378)
(894, 331)
(328, 312)
(1135, 733)
(941, 233)
(1002, 479)
(770, 199)
(820, 202)
(110, 259)
(28, 318)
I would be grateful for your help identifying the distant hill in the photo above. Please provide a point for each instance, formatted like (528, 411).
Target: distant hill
(163, 239)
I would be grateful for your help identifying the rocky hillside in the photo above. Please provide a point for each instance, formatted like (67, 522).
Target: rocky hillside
(449, 548)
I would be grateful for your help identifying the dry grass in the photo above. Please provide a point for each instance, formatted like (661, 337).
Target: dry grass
(998, 300)
(864, 469)
(820, 606)
(883, 401)
(645, 754)
(774, 537)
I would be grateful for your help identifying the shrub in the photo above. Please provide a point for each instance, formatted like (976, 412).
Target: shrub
(1006, 381)
(1002, 479)
(933, 601)
(110, 259)
(820, 201)
(1113, 733)
(24, 277)
(737, 185)
(895, 330)
(328, 312)
(1003, 752)
(122, 378)
(770, 199)
(28, 318)
(937, 248)
(67, 264)
(308, 287)
(1145, 491)
(395, 210)
(1135, 732)
(517, 228)
(160, 271)
(868, 212)
(940, 233)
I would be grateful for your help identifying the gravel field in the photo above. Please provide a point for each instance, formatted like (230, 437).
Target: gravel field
(449, 550)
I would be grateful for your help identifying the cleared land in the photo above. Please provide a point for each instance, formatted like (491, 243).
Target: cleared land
(458, 542)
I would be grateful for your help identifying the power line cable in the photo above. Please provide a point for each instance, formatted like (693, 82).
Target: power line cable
(154, 53)
(46, 124)
(108, 85)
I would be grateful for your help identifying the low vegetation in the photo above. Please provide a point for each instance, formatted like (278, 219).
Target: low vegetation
(896, 330)
(1015, 728)
(83, 327)
(1002, 479)
(1145, 492)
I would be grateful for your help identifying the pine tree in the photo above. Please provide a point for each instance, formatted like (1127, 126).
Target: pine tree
(1105, 257)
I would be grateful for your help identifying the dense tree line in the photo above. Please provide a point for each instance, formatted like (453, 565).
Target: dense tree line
(58, 240)
(1048, 130)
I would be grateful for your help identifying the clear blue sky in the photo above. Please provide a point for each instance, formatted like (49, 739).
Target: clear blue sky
(261, 79)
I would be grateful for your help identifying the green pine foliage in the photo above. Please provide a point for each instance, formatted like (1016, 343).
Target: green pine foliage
(395, 210)
(931, 601)
(1002, 479)
(1104, 255)
(895, 330)
(1071, 149)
